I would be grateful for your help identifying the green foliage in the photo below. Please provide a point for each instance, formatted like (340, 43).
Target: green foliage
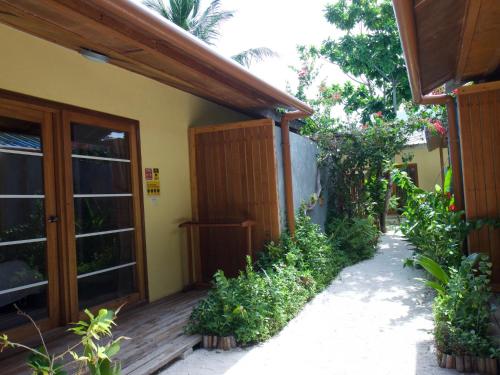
(257, 304)
(369, 51)
(463, 312)
(357, 238)
(95, 356)
(432, 223)
(358, 160)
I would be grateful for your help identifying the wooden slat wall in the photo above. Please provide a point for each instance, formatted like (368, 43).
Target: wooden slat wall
(480, 134)
(235, 179)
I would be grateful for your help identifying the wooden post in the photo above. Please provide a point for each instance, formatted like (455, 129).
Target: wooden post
(287, 166)
(190, 255)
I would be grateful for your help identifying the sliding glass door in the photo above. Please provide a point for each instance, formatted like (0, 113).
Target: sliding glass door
(105, 205)
(28, 273)
(70, 215)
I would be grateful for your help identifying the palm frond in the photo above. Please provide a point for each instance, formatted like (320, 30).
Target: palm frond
(246, 58)
(158, 6)
(206, 26)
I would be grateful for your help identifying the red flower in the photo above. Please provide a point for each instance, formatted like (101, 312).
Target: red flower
(452, 207)
(455, 91)
(378, 114)
(438, 126)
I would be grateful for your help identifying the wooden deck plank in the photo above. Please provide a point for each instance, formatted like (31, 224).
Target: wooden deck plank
(155, 331)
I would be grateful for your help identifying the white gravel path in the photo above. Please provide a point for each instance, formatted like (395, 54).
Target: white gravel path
(375, 318)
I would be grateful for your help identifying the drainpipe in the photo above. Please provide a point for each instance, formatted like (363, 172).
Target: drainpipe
(287, 166)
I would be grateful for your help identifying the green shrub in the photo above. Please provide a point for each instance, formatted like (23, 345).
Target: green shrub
(254, 305)
(463, 312)
(262, 299)
(432, 222)
(357, 238)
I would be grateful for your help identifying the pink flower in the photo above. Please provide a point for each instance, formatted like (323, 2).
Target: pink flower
(378, 114)
(455, 91)
(336, 96)
(438, 126)
(303, 72)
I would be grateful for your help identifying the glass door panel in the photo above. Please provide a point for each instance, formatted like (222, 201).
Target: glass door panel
(24, 276)
(103, 213)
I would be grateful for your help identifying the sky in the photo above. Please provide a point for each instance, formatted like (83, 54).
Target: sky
(280, 25)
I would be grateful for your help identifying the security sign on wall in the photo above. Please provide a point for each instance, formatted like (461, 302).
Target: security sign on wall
(152, 176)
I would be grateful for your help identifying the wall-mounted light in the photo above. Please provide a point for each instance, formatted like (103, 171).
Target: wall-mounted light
(93, 55)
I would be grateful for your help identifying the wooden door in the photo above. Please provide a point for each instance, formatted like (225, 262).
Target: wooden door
(233, 170)
(105, 263)
(70, 214)
(28, 219)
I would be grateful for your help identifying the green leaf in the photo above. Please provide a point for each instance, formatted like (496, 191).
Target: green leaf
(447, 181)
(433, 268)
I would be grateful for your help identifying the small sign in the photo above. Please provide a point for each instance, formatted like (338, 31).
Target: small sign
(152, 176)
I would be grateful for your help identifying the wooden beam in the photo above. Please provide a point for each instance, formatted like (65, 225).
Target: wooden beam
(408, 33)
(481, 87)
(468, 29)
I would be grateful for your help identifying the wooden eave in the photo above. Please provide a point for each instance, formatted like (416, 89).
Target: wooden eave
(449, 40)
(137, 39)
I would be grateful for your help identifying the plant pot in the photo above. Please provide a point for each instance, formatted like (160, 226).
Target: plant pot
(218, 342)
(450, 361)
(481, 365)
(492, 366)
(468, 363)
(459, 363)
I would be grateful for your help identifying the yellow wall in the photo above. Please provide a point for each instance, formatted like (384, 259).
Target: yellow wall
(428, 165)
(35, 67)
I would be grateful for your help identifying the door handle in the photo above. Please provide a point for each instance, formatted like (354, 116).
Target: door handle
(53, 219)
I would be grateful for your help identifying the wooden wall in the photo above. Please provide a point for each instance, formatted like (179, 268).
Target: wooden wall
(233, 171)
(479, 114)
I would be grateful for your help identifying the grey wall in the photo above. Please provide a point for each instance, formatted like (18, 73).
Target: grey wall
(304, 175)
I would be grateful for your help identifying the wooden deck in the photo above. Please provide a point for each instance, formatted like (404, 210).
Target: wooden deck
(156, 332)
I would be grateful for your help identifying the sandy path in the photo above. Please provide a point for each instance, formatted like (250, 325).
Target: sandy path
(374, 319)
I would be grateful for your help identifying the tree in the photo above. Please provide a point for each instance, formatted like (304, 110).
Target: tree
(369, 52)
(205, 24)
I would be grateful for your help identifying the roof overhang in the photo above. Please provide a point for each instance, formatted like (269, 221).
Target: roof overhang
(448, 40)
(137, 39)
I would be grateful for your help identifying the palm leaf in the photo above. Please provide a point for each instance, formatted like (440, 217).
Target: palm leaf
(246, 58)
(206, 26)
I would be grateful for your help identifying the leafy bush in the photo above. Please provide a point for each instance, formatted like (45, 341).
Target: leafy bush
(462, 310)
(356, 238)
(258, 303)
(432, 222)
(254, 305)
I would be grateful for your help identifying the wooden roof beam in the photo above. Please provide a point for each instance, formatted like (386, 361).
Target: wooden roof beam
(405, 17)
(468, 30)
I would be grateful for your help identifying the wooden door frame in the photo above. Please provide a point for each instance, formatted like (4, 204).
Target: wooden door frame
(65, 306)
(69, 116)
(44, 117)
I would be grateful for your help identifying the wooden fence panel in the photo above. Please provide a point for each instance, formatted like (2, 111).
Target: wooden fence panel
(479, 114)
(235, 179)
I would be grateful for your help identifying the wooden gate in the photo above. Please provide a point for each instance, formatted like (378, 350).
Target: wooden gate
(233, 179)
